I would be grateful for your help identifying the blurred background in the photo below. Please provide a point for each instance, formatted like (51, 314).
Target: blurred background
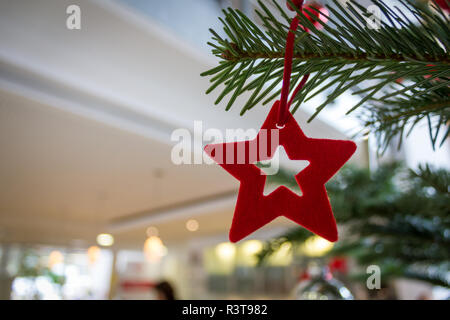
(91, 206)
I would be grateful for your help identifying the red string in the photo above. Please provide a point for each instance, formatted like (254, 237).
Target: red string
(289, 55)
(297, 90)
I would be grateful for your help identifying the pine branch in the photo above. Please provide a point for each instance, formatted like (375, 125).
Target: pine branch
(398, 221)
(343, 55)
(388, 118)
(428, 176)
(443, 59)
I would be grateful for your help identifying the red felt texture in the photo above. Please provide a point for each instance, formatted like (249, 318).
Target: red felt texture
(312, 210)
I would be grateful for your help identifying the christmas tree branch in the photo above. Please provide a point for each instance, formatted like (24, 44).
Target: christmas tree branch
(400, 224)
(430, 107)
(345, 54)
(443, 59)
(388, 118)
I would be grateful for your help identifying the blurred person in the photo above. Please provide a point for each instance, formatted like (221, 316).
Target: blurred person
(165, 291)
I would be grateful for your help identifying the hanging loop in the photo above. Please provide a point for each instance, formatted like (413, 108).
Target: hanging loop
(288, 58)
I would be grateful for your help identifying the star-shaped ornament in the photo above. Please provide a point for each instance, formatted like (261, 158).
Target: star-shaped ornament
(254, 209)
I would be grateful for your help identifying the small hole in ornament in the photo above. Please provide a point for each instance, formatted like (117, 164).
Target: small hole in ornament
(280, 126)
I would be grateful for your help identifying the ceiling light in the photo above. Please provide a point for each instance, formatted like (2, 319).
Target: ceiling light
(56, 257)
(316, 246)
(93, 253)
(154, 249)
(226, 251)
(252, 247)
(192, 225)
(105, 239)
(246, 252)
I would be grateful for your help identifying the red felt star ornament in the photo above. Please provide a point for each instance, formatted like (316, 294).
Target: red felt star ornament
(312, 209)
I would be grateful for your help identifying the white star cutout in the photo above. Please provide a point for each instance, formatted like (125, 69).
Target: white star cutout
(271, 169)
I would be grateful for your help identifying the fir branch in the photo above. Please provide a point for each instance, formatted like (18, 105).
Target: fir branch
(388, 118)
(342, 56)
(394, 218)
(238, 56)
